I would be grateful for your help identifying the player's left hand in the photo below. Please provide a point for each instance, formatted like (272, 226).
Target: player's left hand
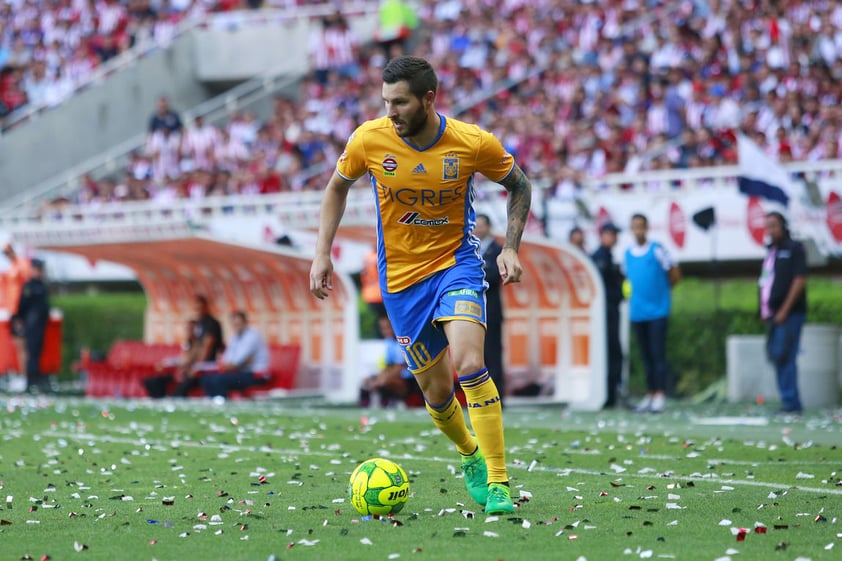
(509, 264)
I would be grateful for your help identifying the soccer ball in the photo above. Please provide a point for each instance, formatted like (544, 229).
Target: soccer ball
(378, 486)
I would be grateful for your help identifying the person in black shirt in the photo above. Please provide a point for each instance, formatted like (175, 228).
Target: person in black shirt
(612, 279)
(165, 118)
(34, 315)
(204, 345)
(489, 250)
(783, 306)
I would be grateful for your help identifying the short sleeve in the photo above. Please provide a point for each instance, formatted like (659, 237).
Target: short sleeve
(664, 257)
(352, 162)
(492, 159)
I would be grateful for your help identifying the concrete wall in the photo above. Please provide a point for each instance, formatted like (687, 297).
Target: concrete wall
(96, 119)
(236, 51)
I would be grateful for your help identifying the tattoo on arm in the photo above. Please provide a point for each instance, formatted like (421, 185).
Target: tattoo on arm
(520, 198)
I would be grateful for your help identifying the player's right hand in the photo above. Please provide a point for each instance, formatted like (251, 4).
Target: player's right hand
(321, 276)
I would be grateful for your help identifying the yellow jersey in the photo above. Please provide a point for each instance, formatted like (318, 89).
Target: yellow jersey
(424, 195)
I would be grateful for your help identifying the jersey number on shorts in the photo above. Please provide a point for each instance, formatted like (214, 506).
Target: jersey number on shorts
(418, 355)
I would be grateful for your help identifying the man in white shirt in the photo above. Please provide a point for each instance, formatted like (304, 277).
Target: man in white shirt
(244, 363)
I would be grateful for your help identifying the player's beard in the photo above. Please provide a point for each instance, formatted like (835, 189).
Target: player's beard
(414, 124)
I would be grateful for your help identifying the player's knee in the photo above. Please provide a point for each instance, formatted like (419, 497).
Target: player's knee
(467, 363)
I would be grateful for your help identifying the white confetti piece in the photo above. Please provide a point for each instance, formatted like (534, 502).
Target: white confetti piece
(560, 532)
(394, 555)
(183, 535)
(727, 488)
(79, 547)
(525, 494)
(725, 522)
(311, 543)
(673, 497)
(488, 534)
(674, 506)
(366, 541)
(726, 558)
(646, 554)
(492, 519)
(673, 523)
(731, 551)
(802, 475)
(127, 498)
(526, 524)
(244, 538)
(572, 489)
(337, 501)
(772, 495)
(829, 546)
(219, 532)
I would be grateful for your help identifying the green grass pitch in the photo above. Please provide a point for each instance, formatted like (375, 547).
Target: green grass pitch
(267, 481)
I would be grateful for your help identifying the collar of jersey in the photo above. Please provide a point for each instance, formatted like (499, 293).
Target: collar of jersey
(443, 123)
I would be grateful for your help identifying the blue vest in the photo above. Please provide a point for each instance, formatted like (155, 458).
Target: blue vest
(650, 287)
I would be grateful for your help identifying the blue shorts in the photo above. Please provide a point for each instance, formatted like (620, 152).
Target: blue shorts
(416, 313)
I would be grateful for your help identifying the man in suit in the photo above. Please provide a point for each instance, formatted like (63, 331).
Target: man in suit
(612, 280)
(490, 249)
(33, 315)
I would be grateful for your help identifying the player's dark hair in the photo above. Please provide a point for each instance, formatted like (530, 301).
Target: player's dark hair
(413, 70)
(239, 314)
(641, 217)
(782, 221)
(484, 217)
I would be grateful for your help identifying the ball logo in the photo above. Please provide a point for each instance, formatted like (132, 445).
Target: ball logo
(677, 225)
(756, 221)
(834, 215)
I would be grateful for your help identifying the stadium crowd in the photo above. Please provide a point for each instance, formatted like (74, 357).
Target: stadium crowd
(49, 48)
(573, 89)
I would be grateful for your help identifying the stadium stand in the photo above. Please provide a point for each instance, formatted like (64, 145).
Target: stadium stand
(574, 90)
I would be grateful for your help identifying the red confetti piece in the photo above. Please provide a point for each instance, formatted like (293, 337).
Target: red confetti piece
(603, 494)
(153, 542)
(290, 545)
(244, 527)
(760, 530)
(572, 537)
(820, 518)
(262, 479)
(72, 515)
(741, 536)
(417, 550)
(45, 557)
(188, 496)
(33, 508)
(337, 512)
(221, 494)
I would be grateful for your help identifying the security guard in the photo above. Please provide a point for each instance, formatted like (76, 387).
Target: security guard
(34, 314)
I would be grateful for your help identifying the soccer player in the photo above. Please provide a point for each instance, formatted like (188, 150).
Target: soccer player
(421, 166)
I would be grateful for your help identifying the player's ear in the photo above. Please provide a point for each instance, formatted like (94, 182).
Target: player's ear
(429, 98)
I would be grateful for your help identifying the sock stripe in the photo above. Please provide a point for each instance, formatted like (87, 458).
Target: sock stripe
(442, 406)
(474, 380)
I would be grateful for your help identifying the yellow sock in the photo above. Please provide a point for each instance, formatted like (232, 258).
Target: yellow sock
(486, 414)
(449, 419)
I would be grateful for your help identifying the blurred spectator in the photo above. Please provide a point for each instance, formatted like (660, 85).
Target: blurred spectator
(244, 363)
(164, 118)
(204, 345)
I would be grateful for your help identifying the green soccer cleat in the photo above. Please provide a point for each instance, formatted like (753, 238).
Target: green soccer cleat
(499, 499)
(476, 476)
